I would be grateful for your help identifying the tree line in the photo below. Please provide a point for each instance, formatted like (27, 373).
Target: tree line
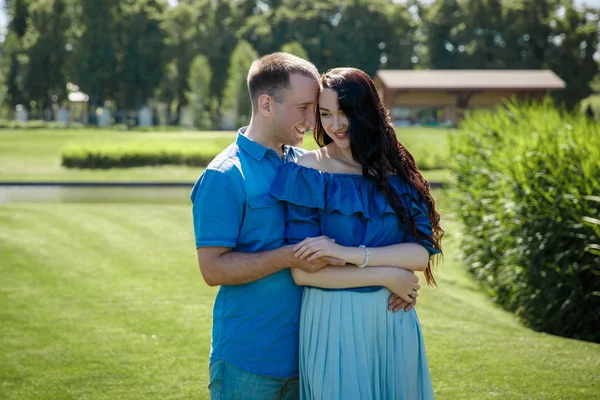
(196, 53)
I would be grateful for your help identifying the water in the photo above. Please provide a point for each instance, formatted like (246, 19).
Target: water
(95, 194)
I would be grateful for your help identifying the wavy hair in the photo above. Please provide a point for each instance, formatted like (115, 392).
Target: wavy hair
(376, 147)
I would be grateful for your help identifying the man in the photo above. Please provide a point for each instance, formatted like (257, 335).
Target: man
(239, 231)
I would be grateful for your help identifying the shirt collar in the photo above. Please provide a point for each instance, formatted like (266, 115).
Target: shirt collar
(254, 149)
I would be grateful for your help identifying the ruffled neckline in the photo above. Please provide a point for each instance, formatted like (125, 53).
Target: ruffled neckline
(346, 193)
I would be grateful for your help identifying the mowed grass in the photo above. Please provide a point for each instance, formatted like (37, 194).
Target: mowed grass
(35, 155)
(105, 301)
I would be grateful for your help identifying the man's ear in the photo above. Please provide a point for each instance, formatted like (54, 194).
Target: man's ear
(265, 105)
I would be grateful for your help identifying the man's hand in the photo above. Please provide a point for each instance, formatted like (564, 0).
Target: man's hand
(316, 247)
(316, 265)
(311, 266)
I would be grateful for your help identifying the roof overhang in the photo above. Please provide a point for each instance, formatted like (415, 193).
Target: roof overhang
(469, 80)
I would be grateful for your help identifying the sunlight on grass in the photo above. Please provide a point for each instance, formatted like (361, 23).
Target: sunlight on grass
(105, 301)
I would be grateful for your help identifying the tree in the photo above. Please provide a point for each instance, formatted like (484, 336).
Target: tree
(96, 53)
(527, 29)
(295, 48)
(366, 34)
(119, 54)
(16, 59)
(402, 44)
(370, 34)
(45, 76)
(198, 97)
(220, 43)
(3, 90)
(484, 30)
(443, 28)
(575, 40)
(187, 27)
(142, 48)
(236, 102)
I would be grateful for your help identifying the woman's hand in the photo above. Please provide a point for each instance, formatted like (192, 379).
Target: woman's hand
(317, 247)
(403, 284)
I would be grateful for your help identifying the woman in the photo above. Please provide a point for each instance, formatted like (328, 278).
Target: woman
(362, 199)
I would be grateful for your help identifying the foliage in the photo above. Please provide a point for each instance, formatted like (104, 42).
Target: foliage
(3, 92)
(575, 40)
(186, 28)
(443, 34)
(37, 124)
(141, 42)
(134, 51)
(95, 59)
(590, 106)
(45, 73)
(529, 199)
(198, 97)
(502, 34)
(367, 34)
(135, 154)
(296, 49)
(237, 106)
(14, 59)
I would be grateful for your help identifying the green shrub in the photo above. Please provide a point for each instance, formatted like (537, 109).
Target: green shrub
(428, 158)
(527, 182)
(38, 124)
(133, 154)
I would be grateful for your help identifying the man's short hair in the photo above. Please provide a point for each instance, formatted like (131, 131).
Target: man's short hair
(270, 75)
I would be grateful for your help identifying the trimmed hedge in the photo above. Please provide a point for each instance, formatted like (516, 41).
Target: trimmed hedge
(137, 155)
(38, 124)
(429, 153)
(527, 181)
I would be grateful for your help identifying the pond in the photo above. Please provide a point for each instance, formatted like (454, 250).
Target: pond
(95, 194)
(108, 193)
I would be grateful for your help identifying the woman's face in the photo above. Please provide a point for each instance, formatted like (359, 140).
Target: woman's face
(333, 120)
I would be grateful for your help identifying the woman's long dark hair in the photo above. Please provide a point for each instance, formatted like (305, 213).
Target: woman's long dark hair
(375, 146)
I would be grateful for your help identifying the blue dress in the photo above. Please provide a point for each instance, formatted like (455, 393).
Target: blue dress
(351, 346)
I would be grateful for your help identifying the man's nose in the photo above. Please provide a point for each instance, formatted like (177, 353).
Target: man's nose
(311, 119)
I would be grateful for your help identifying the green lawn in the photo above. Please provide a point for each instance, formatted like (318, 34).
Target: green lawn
(34, 155)
(105, 301)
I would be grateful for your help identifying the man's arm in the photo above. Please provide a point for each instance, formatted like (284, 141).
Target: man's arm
(222, 266)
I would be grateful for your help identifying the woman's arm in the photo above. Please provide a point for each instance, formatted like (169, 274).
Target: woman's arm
(399, 281)
(411, 256)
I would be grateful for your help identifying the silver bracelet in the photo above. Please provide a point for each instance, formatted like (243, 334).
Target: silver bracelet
(367, 256)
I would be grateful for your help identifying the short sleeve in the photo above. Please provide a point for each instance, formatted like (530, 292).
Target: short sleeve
(217, 210)
(301, 222)
(420, 214)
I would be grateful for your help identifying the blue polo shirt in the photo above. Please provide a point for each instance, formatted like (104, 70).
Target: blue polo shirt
(255, 325)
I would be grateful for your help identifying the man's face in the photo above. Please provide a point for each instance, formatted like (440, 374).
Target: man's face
(296, 114)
